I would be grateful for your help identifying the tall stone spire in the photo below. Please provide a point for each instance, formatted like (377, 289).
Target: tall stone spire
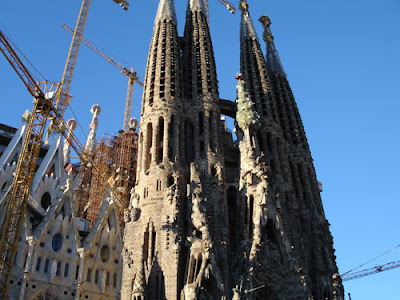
(156, 217)
(273, 61)
(293, 186)
(206, 242)
(253, 66)
(246, 26)
(198, 55)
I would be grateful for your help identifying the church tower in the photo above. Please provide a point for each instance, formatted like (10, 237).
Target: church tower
(213, 219)
(206, 275)
(154, 220)
(298, 243)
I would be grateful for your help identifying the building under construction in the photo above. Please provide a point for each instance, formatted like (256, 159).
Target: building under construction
(177, 210)
(116, 158)
(72, 231)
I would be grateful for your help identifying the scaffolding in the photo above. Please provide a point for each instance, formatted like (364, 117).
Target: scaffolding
(98, 188)
(116, 157)
(126, 145)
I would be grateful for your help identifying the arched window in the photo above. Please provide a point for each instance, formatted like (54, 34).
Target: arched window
(250, 218)
(158, 185)
(46, 265)
(39, 260)
(160, 142)
(108, 279)
(96, 277)
(89, 275)
(58, 271)
(77, 272)
(170, 180)
(66, 269)
(115, 280)
(148, 145)
(56, 243)
(45, 201)
(171, 139)
(104, 253)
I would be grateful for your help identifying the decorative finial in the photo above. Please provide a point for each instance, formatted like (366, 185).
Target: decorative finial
(239, 76)
(26, 116)
(266, 22)
(246, 116)
(72, 124)
(244, 7)
(273, 62)
(90, 145)
(166, 11)
(133, 123)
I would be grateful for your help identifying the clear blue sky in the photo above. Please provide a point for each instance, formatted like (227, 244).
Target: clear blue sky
(341, 58)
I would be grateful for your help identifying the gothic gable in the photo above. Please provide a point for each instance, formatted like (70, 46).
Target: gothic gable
(103, 261)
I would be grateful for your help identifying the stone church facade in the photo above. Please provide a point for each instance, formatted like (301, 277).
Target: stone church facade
(59, 256)
(210, 218)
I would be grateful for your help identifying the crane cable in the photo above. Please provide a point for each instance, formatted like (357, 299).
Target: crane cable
(22, 55)
(77, 121)
(371, 260)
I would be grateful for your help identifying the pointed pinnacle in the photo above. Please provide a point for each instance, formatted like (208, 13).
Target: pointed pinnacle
(166, 11)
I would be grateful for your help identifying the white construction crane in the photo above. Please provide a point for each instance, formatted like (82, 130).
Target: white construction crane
(366, 272)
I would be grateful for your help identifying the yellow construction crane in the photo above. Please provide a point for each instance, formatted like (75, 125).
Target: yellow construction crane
(126, 71)
(229, 6)
(25, 168)
(42, 111)
(63, 98)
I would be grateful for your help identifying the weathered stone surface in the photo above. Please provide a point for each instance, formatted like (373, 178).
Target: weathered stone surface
(213, 219)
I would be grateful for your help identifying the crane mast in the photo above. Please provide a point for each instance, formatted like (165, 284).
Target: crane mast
(131, 74)
(63, 98)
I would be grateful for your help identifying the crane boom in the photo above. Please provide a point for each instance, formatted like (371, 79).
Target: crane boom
(229, 6)
(124, 70)
(131, 74)
(64, 97)
(18, 66)
(370, 271)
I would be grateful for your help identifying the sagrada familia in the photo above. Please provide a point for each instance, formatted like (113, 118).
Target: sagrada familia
(209, 217)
